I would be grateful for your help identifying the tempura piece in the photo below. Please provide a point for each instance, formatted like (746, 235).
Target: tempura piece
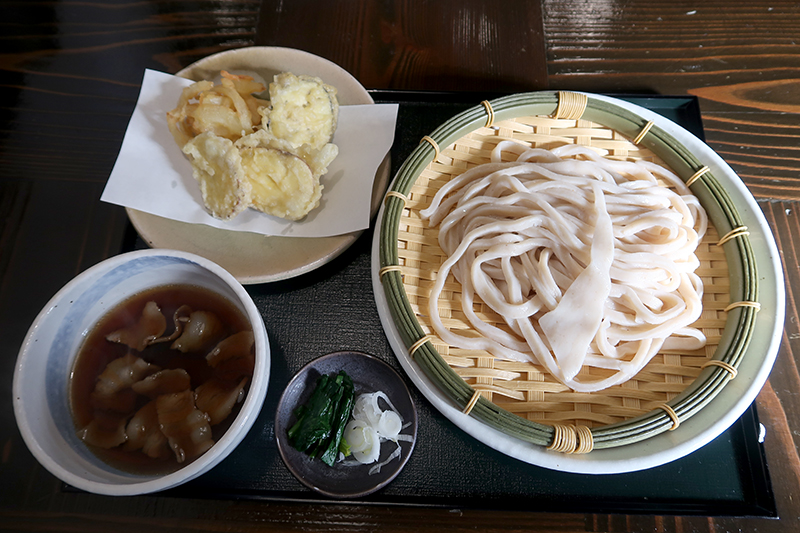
(217, 167)
(227, 110)
(187, 428)
(145, 331)
(302, 110)
(282, 184)
(317, 160)
(249, 85)
(247, 152)
(178, 119)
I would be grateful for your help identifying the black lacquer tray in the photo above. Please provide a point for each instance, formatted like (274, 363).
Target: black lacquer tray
(333, 308)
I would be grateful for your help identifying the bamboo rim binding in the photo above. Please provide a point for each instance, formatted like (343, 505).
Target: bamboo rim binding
(489, 113)
(697, 175)
(571, 439)
(390, 268)
(740, 231)
(734, 305)
(417, 345)
(570, 105)
(732, 370)
(644, 132)
(434, 144)
(676, 421)
(472, 401)
(395, 194)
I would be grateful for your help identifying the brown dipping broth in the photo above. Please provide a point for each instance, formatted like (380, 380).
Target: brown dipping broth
(96, 353)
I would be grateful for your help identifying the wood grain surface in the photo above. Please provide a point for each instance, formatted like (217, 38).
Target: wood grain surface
(739, 58)
(425, 46)
(69, 78)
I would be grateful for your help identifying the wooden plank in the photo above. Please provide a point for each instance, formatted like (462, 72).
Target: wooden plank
(469, 45)
(740, 58)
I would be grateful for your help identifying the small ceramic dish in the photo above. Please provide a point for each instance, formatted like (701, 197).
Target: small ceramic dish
(342, 480)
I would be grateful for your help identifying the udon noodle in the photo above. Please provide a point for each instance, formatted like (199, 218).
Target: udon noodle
(589, 261)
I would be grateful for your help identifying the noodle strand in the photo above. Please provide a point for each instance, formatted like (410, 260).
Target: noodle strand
(589, 261)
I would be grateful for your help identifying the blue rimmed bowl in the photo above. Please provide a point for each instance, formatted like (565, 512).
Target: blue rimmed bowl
(45, 360)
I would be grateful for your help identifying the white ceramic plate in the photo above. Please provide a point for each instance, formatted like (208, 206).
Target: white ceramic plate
(693, 433)
(250, 257)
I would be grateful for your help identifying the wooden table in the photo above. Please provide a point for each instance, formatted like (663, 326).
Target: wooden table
(69, 77)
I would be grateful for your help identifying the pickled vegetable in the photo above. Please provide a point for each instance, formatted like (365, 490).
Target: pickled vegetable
(321, 421)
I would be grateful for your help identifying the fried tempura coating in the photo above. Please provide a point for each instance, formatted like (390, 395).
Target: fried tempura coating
(246, 152)
(317, 160)
(228, 110)
(217, 167)
(282, 183)
(303, 110)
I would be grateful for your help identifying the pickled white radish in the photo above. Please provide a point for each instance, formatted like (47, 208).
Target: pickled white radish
(389, 425)
(367, 442)
(392, 456)
(354, 435)
(370, 425)
(366, 408)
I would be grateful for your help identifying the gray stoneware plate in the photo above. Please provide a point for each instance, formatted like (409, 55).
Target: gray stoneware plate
(369, 374)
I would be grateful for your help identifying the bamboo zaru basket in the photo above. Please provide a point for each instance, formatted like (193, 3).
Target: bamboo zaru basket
(521, 399)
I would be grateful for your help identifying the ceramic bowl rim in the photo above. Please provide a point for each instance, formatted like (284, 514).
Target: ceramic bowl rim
(241, 425)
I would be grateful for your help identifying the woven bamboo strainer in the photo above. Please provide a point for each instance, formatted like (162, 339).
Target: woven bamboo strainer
(522, 399)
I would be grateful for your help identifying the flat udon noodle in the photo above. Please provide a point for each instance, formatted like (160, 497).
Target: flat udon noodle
(589, 261)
